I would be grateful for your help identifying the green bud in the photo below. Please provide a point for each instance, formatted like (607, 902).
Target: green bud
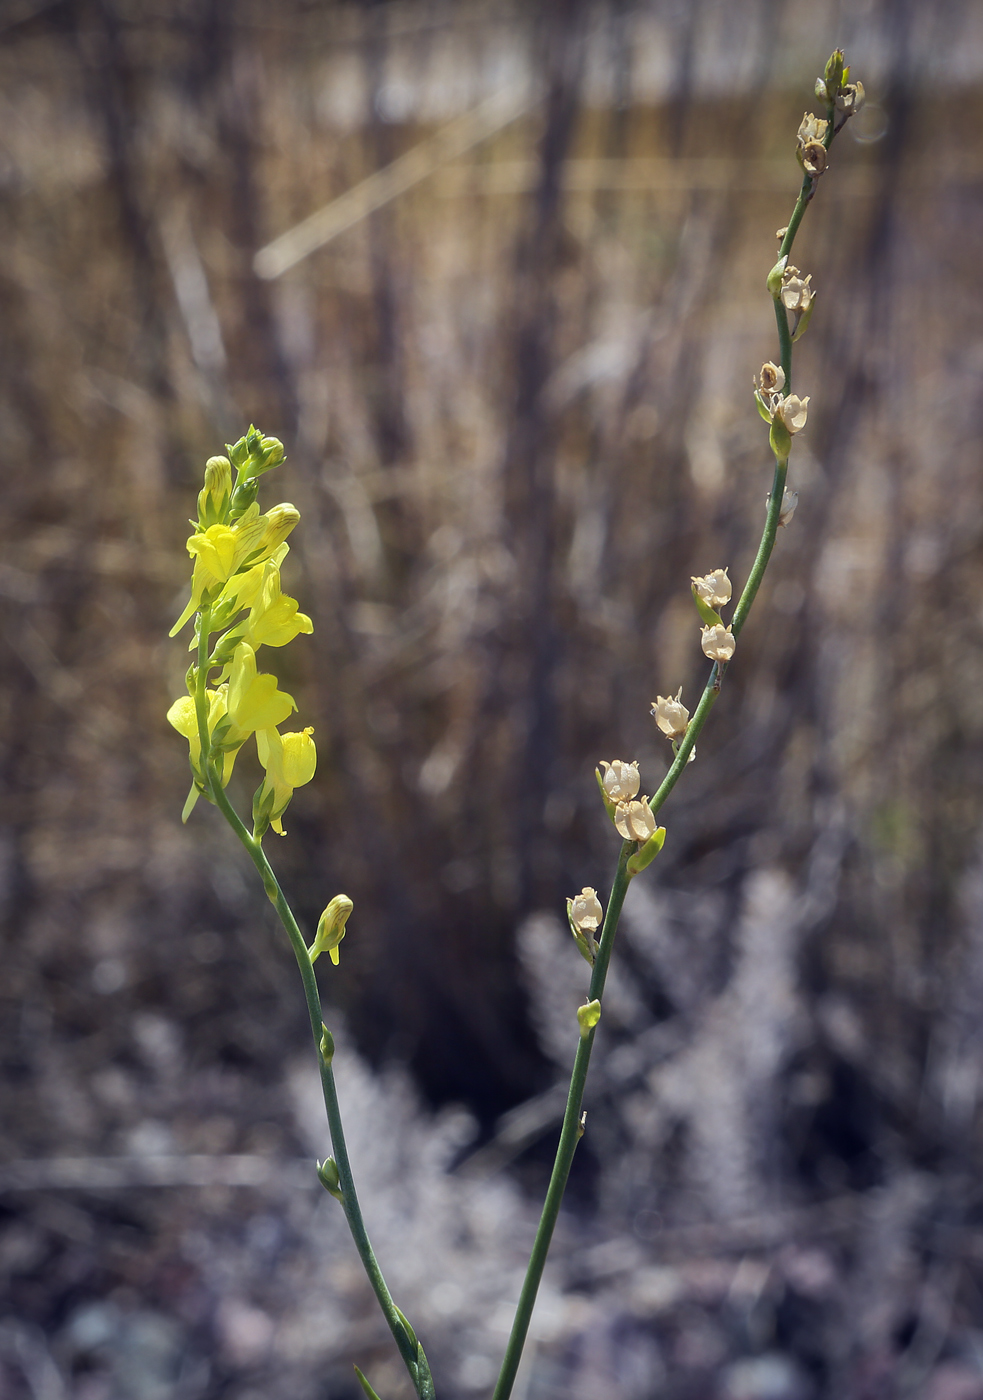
(365, 1385)
(243, 497)
(821, 93)
(327, 1175)
(780, 439)
(647, 853)
(774, 279)
(263, 799)
(327, 1044)
(331, 928)
(834, 72)
(254, 454)
(588, 1017)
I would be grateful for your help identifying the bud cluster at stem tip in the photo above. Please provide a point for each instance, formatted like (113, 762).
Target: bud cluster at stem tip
(236, 592)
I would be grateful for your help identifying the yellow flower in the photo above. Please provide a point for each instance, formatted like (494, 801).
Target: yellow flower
(331, 927)
(254, 701)
(183, 716)
(290, 761)
(274, 619)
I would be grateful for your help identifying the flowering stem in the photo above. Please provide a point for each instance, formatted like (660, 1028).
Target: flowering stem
(572, 1128)
(349, 1198)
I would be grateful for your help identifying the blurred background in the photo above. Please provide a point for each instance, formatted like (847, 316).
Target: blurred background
(494, 273)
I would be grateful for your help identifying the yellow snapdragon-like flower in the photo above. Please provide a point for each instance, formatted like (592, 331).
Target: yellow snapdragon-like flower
(221, 550)
(290, 761)
(255, 701)
(274, 619)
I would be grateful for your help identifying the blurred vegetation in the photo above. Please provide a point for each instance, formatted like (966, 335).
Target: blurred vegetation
(516, 402)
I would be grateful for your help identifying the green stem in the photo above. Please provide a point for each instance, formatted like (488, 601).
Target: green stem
(570, 1131)
(277, 898)
(569, 1137)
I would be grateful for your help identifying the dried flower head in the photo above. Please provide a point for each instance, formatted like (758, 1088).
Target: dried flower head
(621, 780)
(814, 158)
(671, 715)
(811, 128)
(796, 293)
(634, 820)
(714, 588)
(771, 380)
(719, 643)
(585, 910)
(850, 99)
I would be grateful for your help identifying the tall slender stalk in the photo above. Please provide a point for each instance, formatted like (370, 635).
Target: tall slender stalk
(573, 1121)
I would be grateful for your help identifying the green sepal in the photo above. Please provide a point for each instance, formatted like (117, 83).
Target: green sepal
(646, 854)
(609, 806)
(365, 1385)
(707, 613)
(586, 944)
(327, 1175)
(424, 1380)
(774, 279)
(190, 802)
(407, 1328)
(763, 408)
(803, 322)
(780, 439)
(327, 1046)
(588, 1017)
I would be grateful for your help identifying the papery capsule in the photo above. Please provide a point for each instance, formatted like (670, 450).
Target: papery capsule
(620, 781)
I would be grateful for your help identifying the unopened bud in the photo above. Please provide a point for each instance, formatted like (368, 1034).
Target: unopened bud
(327, 1175)
(331, 928)
(821, 93)
(588, 1017)
(215, 495)
(719, 643)
(774, 279)
(671, 715)
(790, 499)
(620, 781)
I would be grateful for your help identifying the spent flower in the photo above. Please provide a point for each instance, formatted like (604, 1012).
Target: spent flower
(671, 715)
(620, 781)
(634, 820)
(714, 588)
(719, 643)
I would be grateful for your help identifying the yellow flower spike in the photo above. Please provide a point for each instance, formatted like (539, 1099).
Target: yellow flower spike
(255, 702)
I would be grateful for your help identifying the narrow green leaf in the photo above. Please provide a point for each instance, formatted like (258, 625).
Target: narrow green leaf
(365, 1385)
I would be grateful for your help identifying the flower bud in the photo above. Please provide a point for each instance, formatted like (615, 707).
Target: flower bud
(215, 495)
(821, 93)
(634, 820)
(774, 279)
(331, 928)
(835, 73)
(588, 1017)
(621, 780)
(719, 643)
(254, 454)
(327, 1175)
(671, 715)
(714, 588)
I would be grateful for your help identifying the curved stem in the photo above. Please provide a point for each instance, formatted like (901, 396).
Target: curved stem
(275, 894)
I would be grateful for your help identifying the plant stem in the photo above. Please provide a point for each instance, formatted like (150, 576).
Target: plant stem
(569, 1136)
(571, 1129)
(275, 894)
